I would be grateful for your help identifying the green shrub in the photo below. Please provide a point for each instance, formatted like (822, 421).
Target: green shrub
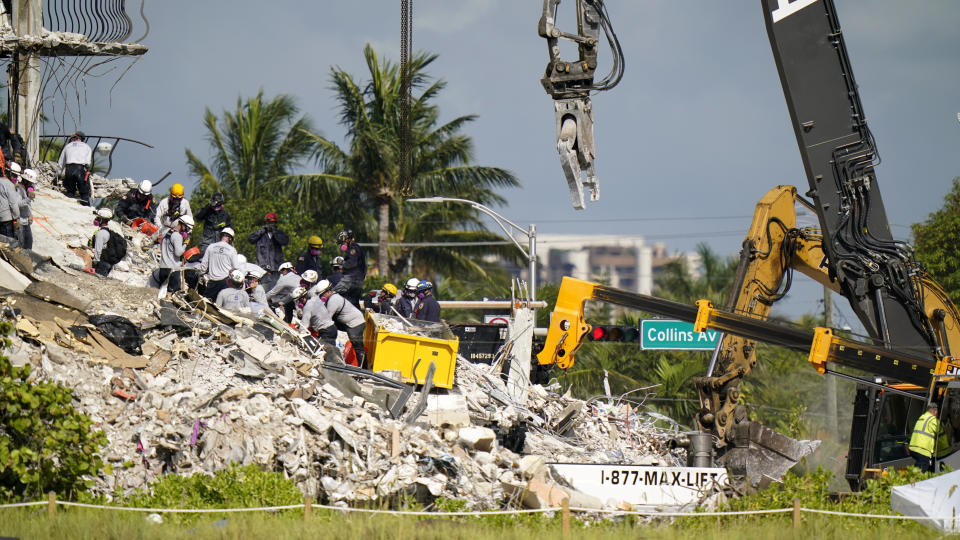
(45, 444)
(235, 487)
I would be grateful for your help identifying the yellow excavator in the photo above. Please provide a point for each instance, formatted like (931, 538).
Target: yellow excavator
(912, 323)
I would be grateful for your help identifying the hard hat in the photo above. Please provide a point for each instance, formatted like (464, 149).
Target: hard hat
(285, 266)
(310, 276)
(187, 220)
(337, 261)
(216, 199)
(29, 175)
(322, 287)
(227, 231)
(176, 190)
(424, 286)
(344, 235)
(13, 167)
(242, 259)
(299, 291)
(255, 271)
(145, 187)
(270, 217)
(105, 213)
(315, 242)
(390, 288)
(412, 284)
(79, 134)
(236, 275)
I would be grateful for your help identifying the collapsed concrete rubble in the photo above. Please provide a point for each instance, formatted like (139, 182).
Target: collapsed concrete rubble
(192, 389)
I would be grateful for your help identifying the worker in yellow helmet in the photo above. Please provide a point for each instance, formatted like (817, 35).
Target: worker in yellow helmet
(310, 258)
(382, 301)
(171, 208)
(923, 441)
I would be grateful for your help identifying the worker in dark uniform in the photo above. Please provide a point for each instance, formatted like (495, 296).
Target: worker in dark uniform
(310, 259)
(215, 218)
(337, 274)
(408, 300)
(354, 268)
(382, 301)
(137, 203)
(428, 308)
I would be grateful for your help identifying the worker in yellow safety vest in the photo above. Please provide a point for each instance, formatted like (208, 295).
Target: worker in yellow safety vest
(923, 442)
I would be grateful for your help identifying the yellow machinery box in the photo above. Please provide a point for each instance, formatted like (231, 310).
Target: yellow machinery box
(393, 343)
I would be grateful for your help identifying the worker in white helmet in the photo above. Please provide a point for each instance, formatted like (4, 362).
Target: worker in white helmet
(218, 260)
(137, 203)
(233, 296)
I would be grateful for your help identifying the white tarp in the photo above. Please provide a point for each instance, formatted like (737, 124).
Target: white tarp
(936, 497)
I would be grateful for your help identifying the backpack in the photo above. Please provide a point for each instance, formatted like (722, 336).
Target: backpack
(115, 250)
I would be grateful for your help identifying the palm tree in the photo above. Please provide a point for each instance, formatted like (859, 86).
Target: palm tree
(370, 165)
(677, 282)
(260, 141)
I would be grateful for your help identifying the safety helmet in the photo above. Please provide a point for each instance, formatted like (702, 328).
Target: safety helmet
(344, 235)
(236, 275)
(186, 220)
(299, 291)
(323, 286)
(228, 232)
(255, 271)
(315, 242)
(242, 259)
(13, 168)
(216, 199)
(145, 187)
(310, 276)
(390, 288)
(29, 175)
(424, 286)
(412, 284)
(285, 266)
(270, 217)
(78, 135)
(105, 213)
(176, 190)
(337, 262)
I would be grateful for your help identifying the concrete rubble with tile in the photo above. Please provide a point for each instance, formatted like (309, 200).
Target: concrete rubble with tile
(211, 389)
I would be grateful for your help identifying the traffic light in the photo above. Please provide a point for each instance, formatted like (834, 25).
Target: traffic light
(615, 333)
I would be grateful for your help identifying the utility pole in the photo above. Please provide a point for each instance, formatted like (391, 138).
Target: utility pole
(30, 43)
(831, 386)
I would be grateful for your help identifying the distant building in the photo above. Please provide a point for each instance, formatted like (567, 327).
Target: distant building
(624, 262)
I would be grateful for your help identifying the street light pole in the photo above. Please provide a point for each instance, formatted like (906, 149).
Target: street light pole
(502, 222)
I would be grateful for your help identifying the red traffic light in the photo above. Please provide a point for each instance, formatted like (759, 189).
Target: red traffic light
(599, 333)
(615, 333)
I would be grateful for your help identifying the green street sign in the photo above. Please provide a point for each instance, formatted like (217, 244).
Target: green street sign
(664, 334)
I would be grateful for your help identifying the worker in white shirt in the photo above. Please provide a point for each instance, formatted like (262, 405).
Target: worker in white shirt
(75, 162)
(218, 260)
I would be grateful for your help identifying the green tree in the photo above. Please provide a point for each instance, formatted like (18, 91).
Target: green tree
(712, 280)
(260, 140)
(369, 165)
(935, 242)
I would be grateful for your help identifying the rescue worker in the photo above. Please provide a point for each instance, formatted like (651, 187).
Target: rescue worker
(337, 264)
(100, 239)
(26, 191)
(354, 268)
(270, 242)
(923, 442)
(138, 203)
(281, 294)
(258, 297)
(215, 218)
(76, 158)
(9, 202)
(172, 246)
(384, 300)
(316, 319)
(218, 260)
(345, 316)
(428, 308)
(171, 208)
(408, 301)
(233, 296)
(310, 259)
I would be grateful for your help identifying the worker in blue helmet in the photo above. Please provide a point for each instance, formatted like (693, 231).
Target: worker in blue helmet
(428, 308)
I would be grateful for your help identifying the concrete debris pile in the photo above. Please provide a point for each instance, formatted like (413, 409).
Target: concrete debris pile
(180, 387)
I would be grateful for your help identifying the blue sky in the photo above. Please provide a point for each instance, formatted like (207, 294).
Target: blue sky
(692, 137)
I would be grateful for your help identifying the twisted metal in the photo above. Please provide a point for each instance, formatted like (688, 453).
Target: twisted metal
(98, 20)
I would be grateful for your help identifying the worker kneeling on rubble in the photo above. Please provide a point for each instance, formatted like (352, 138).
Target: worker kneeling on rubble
(218, 260)
(345, 316)
(172, 247)
(316, 319)
(282, 293)
(138, 203)
(258, 297)
(234, 296)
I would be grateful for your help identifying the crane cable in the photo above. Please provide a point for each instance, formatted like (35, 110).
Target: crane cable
(406, 93)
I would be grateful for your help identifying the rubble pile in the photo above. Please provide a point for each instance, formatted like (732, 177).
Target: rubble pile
(191, 389)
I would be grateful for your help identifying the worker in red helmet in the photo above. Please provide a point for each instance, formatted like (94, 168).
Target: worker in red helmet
(270, 242)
